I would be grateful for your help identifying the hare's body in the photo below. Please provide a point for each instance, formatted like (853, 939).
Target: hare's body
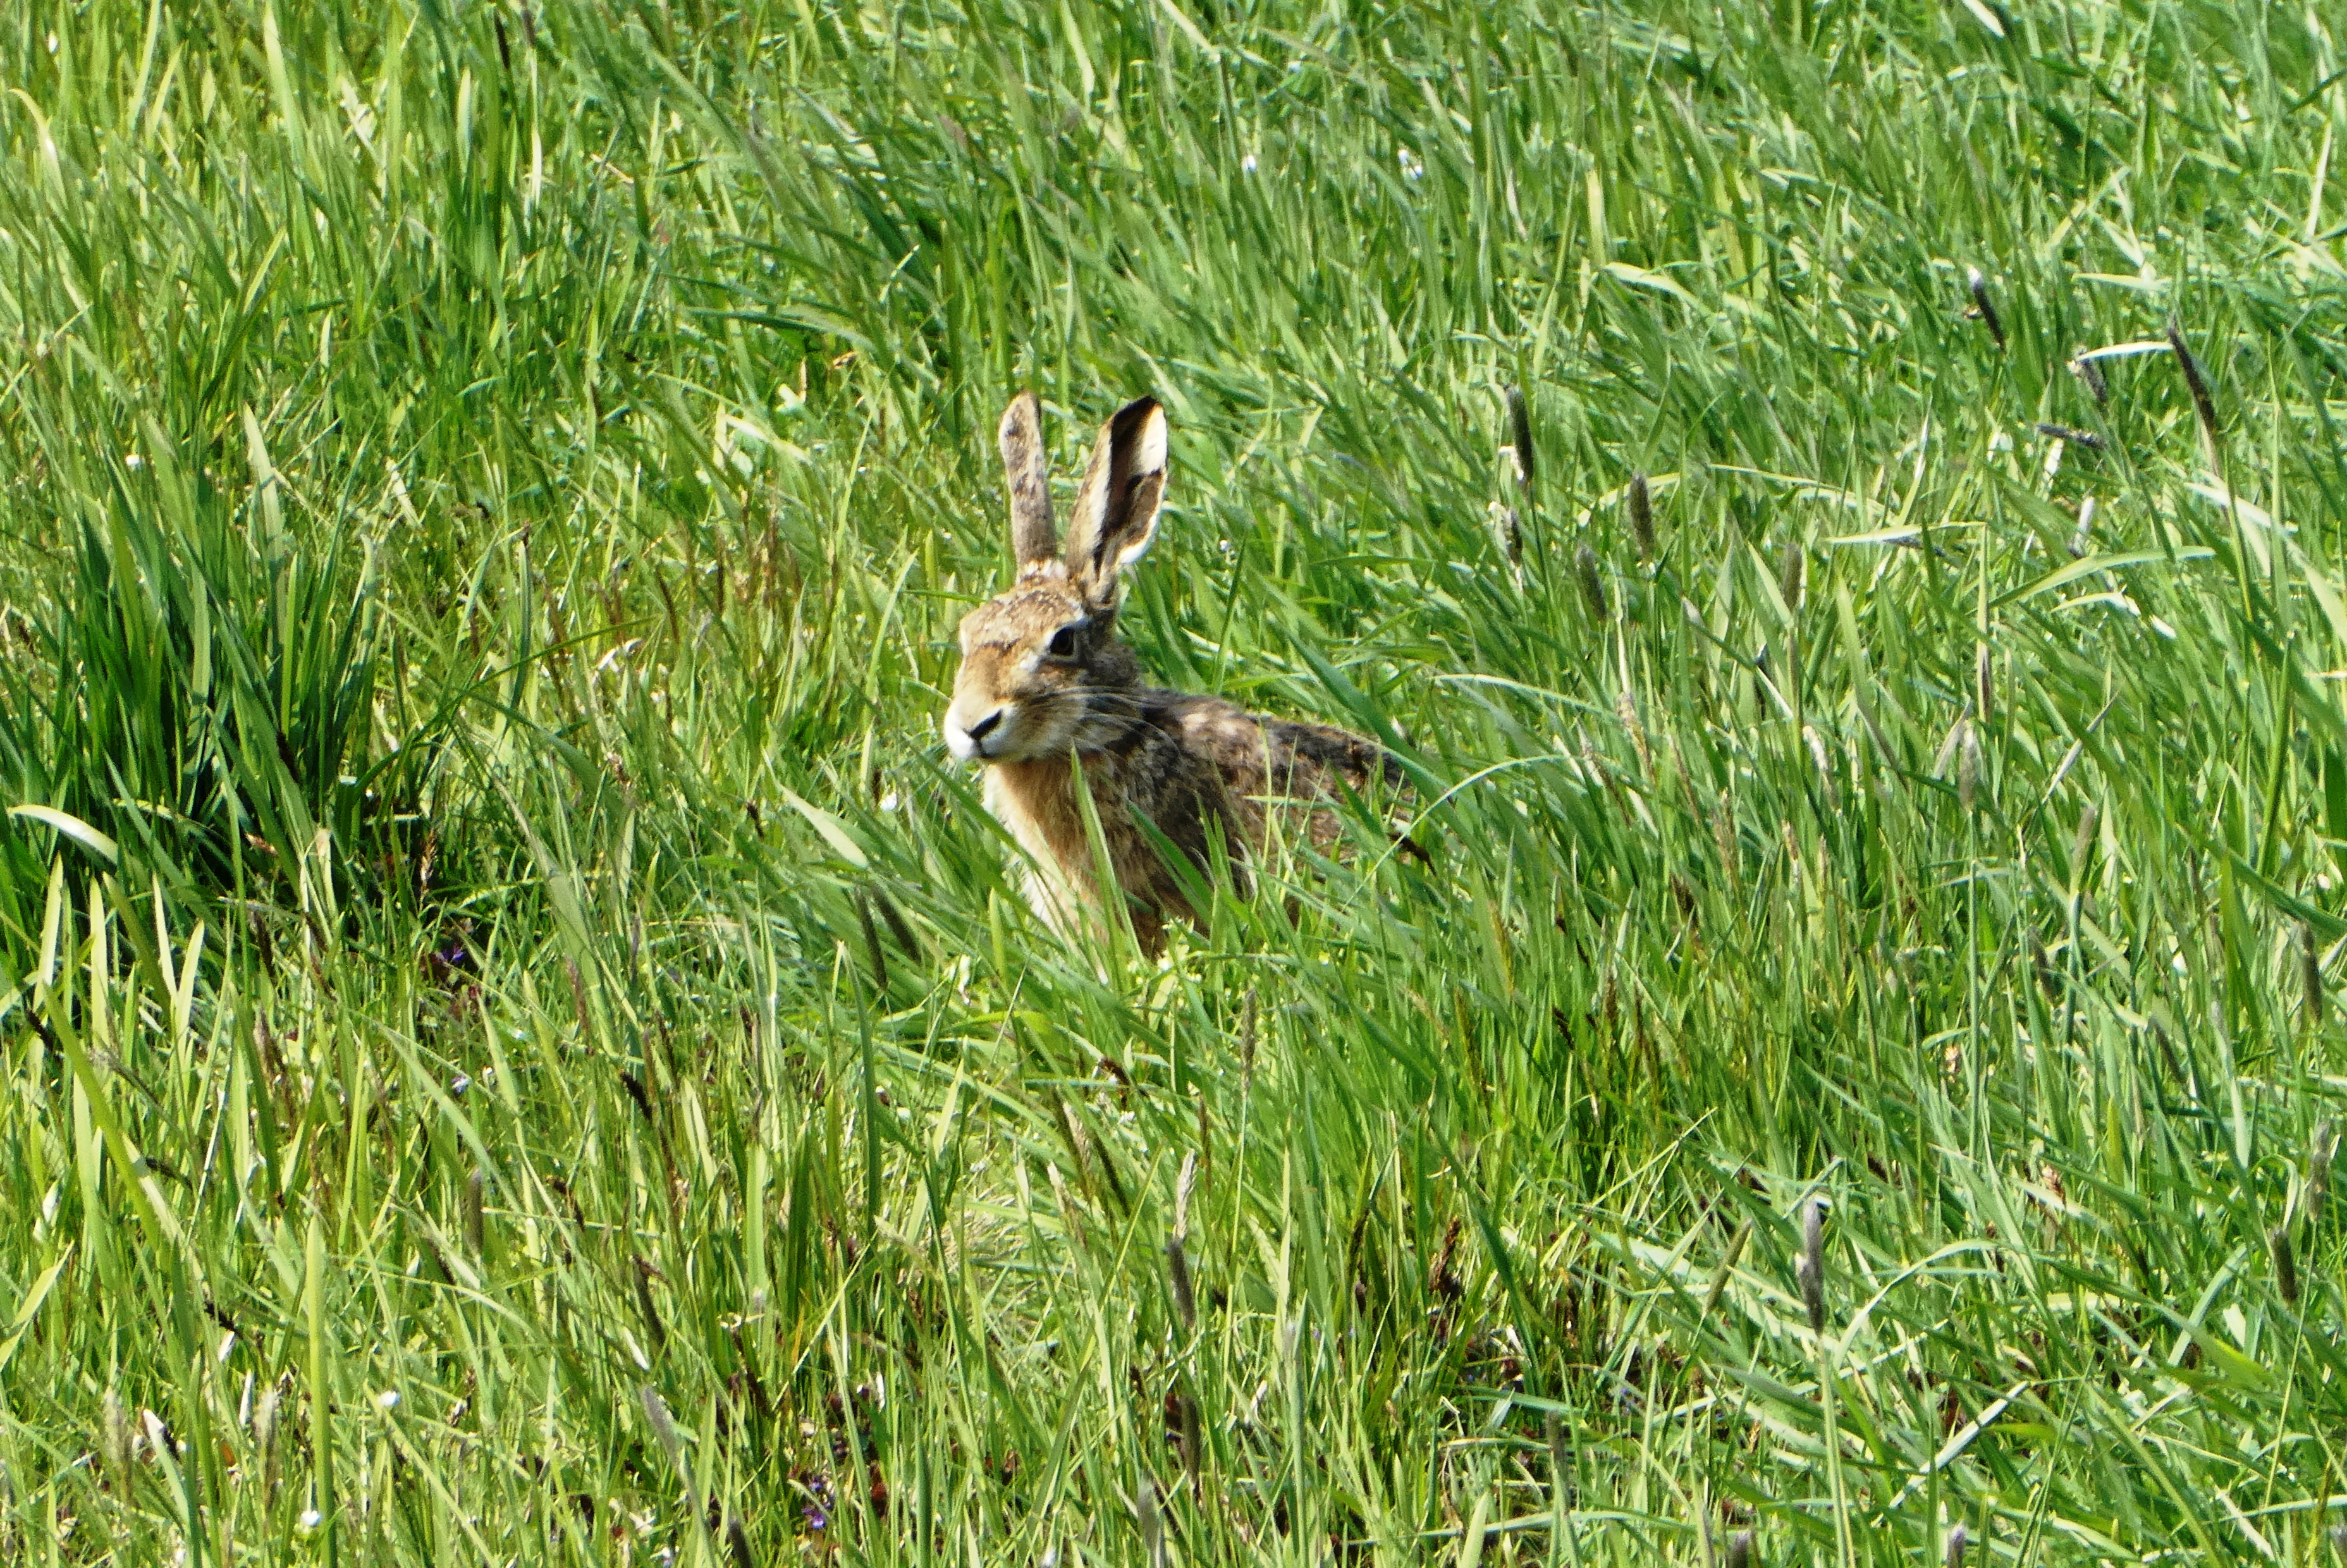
(1045, 687)
(1189, 765)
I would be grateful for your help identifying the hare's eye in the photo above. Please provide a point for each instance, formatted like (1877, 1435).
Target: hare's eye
(1063, 642)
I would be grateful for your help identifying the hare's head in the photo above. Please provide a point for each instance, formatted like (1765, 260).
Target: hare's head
(1043, 673)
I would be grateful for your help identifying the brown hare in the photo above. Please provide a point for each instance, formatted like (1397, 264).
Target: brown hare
(1043, 678)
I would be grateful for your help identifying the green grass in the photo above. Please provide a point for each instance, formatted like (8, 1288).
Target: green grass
(519, 1048)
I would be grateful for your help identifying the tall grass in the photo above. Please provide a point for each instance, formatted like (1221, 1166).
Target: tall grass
(521, 1047)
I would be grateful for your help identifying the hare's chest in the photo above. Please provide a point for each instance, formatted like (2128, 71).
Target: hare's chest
(1037, 802)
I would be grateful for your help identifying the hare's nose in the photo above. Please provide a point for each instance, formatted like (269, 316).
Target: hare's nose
(986, 726)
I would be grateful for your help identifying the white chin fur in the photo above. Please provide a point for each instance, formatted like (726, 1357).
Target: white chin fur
(958, 742)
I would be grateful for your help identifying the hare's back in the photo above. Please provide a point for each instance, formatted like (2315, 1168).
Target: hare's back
(1260, 756)
(1310, 759)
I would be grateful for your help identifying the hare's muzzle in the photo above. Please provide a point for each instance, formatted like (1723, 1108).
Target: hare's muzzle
(966, 737)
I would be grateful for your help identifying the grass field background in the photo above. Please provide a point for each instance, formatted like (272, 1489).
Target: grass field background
(520, 1047)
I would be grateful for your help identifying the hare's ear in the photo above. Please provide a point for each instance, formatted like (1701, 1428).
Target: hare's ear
(1116, 508)
(1027, 474)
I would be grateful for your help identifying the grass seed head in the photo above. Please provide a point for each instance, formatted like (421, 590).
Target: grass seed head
(1958, 1539)
(1508, 533)
(1812, 1270)
(1642, 516)
(1068, 1216)
(264, 1436)
(737, 1543)
(1185, 1295)
(2070, 435)
(1968, 762)
(1982, 306)
(646, 1305)
(662, 1424)
(2203, 404)
(1191, 1436)
(2091, 374)
(1724, 841)
(1984, 682)
(2285, 1263)
(1739, 1550)
(2309, 973)
(475, 1222)
(119, 1444)
(1593, 587)
(579, 1000)
(1520, 433)
(1625, 710)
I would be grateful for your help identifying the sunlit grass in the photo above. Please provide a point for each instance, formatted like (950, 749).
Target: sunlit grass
(520, 1047)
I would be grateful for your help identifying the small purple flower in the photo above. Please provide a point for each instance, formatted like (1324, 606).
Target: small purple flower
(450, 959)
(816, 1513)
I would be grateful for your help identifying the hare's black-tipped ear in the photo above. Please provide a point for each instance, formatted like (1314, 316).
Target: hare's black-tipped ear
(1027, 474)
(1116, 509)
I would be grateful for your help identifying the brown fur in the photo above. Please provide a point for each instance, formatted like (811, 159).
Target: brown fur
(1192, 766)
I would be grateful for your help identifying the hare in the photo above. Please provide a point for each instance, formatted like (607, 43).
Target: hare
(1043, 679)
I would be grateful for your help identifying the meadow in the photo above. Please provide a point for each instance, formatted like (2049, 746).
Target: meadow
(517, 1046)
